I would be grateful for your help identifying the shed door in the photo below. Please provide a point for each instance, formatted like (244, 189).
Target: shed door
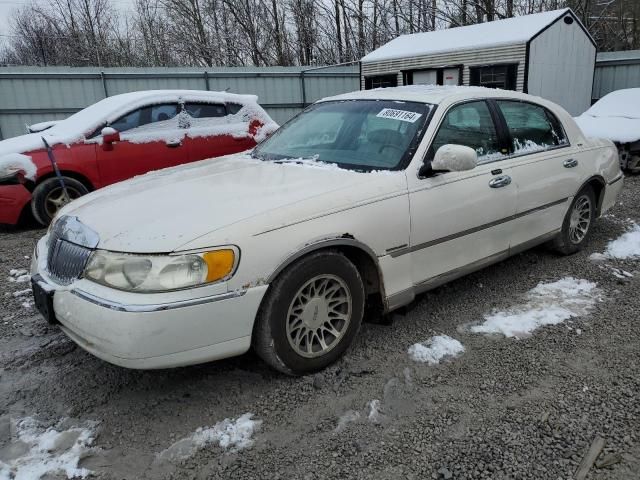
(451, 76)
(425, 77)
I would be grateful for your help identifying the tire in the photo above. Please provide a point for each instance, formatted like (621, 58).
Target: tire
(576, 227)
(303, 299)
(47, 198)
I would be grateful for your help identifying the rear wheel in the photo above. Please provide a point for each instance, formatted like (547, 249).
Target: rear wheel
(49, 197)
(576, 228)
(311, 314)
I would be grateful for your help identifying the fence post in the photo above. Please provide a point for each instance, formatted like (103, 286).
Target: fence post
(304, 90)
(206, 80)
(104, 84)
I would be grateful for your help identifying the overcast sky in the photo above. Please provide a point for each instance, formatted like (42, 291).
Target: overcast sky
(8, 6)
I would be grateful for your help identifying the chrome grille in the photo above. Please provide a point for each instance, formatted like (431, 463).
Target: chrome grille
(65, 260)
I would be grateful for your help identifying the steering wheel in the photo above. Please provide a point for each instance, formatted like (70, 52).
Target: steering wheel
(394, 147)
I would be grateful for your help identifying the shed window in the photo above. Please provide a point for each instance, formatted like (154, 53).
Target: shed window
(380, 81)
(494, 76)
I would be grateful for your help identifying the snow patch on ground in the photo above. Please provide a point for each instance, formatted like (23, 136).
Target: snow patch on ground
(625, 247)
(435, 349)
(546, 304)
(36, 451)
(12, 163)
(348, 417)
(233, 435)
(374, 411)
(18, 276)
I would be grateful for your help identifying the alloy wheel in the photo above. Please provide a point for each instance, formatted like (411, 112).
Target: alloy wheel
(319, 316)
(580, 219)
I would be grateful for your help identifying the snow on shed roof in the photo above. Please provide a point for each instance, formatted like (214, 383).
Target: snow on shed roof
(482, 35)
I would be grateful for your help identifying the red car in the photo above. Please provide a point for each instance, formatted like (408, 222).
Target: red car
(118, 138)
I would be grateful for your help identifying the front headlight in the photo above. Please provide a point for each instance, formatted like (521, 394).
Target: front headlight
(160, 273)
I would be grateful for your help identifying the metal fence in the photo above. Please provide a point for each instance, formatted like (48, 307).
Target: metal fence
(31, 95)
(616, 70)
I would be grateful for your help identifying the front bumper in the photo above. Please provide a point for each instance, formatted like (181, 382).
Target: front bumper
(137, 331)
(13, 199)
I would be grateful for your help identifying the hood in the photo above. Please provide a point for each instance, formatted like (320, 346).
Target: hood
(161, 211)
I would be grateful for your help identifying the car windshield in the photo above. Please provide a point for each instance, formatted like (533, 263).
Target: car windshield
(354, 134)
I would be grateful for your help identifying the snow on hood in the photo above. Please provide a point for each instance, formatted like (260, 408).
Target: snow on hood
(109, 109)
(161, 211)
(15, 162)
(616, 116)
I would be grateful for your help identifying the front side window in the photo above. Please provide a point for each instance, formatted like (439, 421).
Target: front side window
(144, 116)
(469, 124)
(354, 134)
(532, 127)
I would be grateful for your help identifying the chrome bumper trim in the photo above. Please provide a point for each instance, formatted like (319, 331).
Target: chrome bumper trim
(121, 307)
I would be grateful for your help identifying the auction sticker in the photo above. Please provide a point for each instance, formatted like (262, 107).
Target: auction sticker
(403, 115)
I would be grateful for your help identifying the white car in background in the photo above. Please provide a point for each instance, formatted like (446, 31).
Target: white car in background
(364, 199)
(616, 116)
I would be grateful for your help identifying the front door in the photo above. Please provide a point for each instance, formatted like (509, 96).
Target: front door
(150, 139)
(461, 219)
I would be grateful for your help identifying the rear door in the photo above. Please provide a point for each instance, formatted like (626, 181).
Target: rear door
(217, 129)
(543, 164)
(150, 139)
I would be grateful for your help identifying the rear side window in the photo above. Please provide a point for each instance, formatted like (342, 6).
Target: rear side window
(533, 128)
(205, 110)
(471, 125)
(233, 108)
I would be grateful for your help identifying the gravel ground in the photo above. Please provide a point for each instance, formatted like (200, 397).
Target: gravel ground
(504, 409)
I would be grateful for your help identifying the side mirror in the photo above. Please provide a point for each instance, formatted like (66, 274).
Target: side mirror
(109, 137)
(455, 158)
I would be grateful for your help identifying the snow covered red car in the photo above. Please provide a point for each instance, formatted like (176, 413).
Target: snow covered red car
(616, 117)
(121, 137)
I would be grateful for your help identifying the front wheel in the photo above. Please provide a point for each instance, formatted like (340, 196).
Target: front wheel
(311, 314)
(49, 197)
(576, 228)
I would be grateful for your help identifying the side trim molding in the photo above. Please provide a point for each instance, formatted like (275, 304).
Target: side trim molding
(122, 307)
(405, 297)
(453, 236)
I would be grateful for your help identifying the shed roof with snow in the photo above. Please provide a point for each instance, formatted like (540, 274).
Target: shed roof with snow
(550, 54)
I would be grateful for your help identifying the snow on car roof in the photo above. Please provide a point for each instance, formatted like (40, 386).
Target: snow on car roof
(615, 116)
(424, 93)
(111, 108)
(482, 35)
(620, 103)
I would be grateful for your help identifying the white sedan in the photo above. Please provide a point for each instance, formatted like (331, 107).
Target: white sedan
(362, 201)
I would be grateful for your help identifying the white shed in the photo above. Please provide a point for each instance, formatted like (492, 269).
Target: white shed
(550, 54)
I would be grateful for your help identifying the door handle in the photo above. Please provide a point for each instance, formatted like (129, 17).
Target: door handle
(501, 181)
(570, 163)
(174, 143)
